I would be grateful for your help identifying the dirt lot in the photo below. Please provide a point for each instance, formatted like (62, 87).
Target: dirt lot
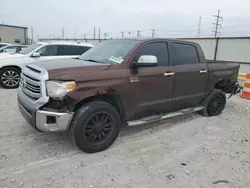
(189, 152)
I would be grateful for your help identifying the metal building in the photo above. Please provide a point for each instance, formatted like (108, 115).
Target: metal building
(13, 34)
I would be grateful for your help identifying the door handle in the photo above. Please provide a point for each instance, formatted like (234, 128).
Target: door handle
(203, 71)
(169, 74)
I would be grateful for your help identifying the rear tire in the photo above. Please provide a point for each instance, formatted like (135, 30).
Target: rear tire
(95, 126)
(214, 104)
(10, 77)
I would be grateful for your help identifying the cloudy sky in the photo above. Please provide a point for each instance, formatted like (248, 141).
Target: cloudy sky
(178, 18)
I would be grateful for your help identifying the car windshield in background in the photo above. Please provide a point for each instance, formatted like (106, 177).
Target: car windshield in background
(110, 52)
(2, 45)
(29, 49)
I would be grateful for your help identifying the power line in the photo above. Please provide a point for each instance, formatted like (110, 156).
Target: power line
(218, 18)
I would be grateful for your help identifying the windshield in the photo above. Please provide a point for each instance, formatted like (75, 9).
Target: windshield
(2, 45)
(110, 52)
(29, 48)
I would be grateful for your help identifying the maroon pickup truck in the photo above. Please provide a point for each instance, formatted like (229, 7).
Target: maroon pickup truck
(122, 82)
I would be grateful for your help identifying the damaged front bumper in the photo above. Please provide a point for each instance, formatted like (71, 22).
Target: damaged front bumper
(45, 121)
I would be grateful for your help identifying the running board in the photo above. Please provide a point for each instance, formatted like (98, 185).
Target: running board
(156, 118)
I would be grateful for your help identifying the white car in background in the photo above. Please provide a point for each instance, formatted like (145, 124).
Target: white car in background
(12, 63)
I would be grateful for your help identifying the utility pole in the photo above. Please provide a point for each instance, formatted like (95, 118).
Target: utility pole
(138, 33)
(199, 27)
(99, 33)
(85, 36)
(218, 18)
(153, 32)
(105, 35)
(94, 32)
(62, 33)
(122, 34)
(32, 35)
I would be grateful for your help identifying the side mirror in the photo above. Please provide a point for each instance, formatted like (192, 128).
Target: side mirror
(36, 54)
(145, 61)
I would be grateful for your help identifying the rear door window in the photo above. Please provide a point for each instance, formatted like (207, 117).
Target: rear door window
(158, 49)
(71, 50)
(50, 50)
(185, 54)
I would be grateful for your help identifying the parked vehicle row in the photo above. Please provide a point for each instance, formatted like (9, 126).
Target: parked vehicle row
(122, 82)
(12, 63)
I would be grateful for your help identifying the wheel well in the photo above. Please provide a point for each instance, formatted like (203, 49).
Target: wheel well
(112, 99)
(225, 85)
(11, 66)
(222, 84)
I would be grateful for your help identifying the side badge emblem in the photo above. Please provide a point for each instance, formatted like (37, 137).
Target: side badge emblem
(134, 79)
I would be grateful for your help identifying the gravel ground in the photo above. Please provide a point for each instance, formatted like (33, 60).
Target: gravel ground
(188, 152)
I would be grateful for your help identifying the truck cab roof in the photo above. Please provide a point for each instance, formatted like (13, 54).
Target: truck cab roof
(148, 39)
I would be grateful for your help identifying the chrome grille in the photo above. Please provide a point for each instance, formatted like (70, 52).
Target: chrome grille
(30, 86)
(32, 90)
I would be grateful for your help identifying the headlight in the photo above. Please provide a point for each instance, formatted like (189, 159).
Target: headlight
(58, 89)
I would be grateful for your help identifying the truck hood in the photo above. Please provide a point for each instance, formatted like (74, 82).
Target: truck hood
(11, 56)
(67, 68)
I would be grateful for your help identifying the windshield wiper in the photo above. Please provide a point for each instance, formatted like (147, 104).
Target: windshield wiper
(91, 60)
(95, 61)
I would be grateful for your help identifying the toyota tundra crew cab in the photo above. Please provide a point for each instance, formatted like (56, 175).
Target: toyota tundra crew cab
(122, 82)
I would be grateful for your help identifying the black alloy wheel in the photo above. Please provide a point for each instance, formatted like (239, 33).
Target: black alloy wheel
(98, 127)
(95, 126)
(216, 105)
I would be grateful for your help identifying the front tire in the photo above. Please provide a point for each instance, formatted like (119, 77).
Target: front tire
(214, 104)
(95, 126)
(9, 77)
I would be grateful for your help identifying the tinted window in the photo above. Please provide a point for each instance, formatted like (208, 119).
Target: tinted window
(50, 50)
(158, 49)
(72, 50)
(185, 54)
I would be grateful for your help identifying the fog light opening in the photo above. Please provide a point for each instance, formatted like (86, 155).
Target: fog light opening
(51, 120)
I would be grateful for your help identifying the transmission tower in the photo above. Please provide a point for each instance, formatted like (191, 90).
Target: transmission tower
(217, 24)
